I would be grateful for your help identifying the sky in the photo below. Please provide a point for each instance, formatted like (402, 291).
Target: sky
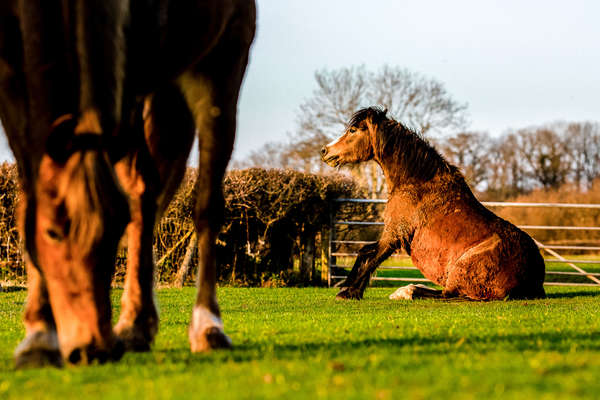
(515, 62)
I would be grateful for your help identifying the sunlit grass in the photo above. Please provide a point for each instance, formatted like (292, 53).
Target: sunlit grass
(301, 343)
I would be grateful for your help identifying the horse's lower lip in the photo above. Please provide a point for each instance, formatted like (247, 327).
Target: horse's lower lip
(332, 161)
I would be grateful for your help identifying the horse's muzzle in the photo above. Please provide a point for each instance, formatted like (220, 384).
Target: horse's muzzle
(331, 160)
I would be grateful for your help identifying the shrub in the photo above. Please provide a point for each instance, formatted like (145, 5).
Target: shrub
(11, 261)
(274, 220)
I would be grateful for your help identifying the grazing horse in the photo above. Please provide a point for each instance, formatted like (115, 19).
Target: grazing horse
(101, 101)
(451, 237)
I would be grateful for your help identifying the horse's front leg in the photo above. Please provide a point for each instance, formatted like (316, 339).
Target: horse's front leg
(40, 346)
(368, 259)
(150, 177)
(138, 321)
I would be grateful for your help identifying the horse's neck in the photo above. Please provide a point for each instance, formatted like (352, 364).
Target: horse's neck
(398, 178)
(414, 194)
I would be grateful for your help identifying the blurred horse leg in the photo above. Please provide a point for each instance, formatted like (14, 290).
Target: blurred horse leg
(40, 346)
(150, 177)
(211, 91)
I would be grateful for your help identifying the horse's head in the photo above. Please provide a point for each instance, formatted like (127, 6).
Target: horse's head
(357, 143)
(75, 219)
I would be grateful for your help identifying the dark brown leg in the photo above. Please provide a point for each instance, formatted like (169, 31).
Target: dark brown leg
(40, 346)
(211, 92)
(138, 321)
(216, 143)
(368, 259)
(151, 177)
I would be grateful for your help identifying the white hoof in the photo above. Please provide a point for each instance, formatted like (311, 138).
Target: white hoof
(404, 293)
(206, 332)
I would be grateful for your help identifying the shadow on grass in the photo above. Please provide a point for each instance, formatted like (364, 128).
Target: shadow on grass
(15, 288)
(426, 346)
(437, 346)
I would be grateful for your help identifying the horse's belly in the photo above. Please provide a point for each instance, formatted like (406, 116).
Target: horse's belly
(434, 248)
(432, 264)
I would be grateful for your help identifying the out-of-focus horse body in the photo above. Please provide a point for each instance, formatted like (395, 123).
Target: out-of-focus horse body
(100, 101)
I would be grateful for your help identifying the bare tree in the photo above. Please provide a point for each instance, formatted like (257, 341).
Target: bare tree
(506, 172)
(545, 155)
(420, 102)
(470, 151)
(583, 152)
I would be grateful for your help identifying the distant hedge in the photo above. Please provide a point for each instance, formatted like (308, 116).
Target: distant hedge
(271, 233)
(11, 264)
(274, 221)
(276, 224)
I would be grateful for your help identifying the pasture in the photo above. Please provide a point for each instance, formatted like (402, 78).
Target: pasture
(301, 343)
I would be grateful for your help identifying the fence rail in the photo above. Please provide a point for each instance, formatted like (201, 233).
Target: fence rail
(550, 249)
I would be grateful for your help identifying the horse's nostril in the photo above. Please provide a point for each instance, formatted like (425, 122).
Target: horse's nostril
(118, 350)
(323, 150)
(75, 356)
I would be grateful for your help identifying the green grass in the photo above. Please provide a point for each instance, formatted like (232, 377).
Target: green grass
(301, 343)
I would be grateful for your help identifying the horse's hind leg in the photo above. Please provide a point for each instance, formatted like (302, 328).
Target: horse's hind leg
(150, 176)
(368, 259)
(412, 292)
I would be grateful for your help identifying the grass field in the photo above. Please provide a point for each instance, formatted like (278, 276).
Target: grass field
(301, 343)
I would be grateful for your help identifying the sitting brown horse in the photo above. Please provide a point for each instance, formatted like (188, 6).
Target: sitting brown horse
(101, 101)
(454, 240)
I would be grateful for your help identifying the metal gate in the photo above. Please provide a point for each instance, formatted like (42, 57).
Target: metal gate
(593, 279)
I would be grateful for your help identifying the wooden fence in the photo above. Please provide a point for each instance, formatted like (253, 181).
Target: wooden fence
(332, 254)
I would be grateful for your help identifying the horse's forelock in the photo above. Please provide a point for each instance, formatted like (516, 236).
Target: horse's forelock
(375, 114)
(87, 187)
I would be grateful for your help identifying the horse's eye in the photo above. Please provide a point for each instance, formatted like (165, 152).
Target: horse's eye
(352, 130)
(55, 235)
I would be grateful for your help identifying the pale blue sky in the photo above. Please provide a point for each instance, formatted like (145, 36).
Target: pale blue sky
(515, 62)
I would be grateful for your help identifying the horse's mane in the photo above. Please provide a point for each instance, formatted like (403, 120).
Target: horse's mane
(403, 147)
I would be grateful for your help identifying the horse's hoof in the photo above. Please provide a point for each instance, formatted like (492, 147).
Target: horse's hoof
(206, 332)
(132, 339)
(38, 349)
(210, 339)
(403, 293)
(136, 337)
(348, 294)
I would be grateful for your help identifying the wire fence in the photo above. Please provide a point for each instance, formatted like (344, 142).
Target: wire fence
(586, 267)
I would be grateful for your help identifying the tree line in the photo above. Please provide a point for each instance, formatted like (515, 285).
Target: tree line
(515, 163)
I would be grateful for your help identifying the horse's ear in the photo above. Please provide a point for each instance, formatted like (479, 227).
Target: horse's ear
(385, 110)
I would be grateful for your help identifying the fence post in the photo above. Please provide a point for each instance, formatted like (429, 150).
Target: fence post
(307, 255)
(330, 258)
(324, 254)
